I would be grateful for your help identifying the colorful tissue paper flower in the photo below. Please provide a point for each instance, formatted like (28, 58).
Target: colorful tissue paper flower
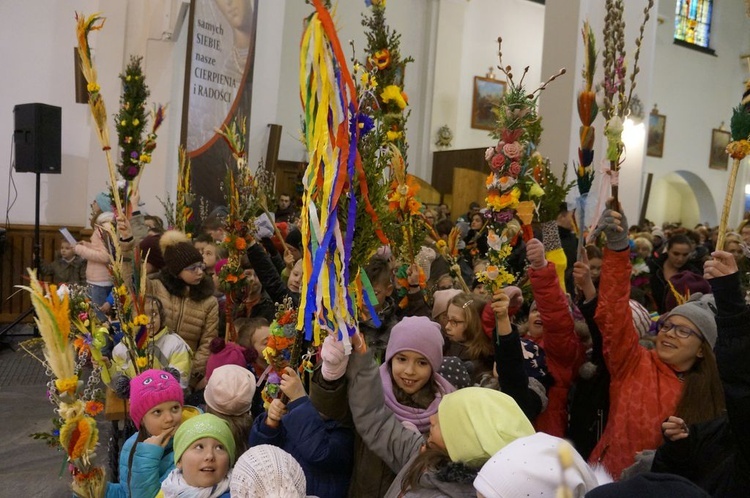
(489, 153)
(393, 93)
(536, 190)
(513, 150)
(78, 436)
(141, 362)
(515, 168)
(382, 58)
(392, 136)
(497, 162)
(94, 408)
(506, 200)
(492, 272)
(506, 182)
(67, 385)
(240, 244)
(494, 240)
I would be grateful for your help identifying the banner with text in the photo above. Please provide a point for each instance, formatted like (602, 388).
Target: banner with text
(218, 87)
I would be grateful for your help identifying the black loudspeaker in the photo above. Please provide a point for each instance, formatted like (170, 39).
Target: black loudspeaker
(37, 138)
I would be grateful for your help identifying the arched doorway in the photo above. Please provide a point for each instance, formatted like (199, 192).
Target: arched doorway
(681, 196)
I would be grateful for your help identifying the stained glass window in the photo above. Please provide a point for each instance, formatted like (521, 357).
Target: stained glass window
(692, 22)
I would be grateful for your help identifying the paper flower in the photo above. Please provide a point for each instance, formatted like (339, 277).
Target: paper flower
(393, 93)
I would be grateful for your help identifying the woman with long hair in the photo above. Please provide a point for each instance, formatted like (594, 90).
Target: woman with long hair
(679, 376)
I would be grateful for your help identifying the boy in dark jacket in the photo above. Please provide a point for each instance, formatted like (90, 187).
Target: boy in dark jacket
(324, 448)
(69, 268)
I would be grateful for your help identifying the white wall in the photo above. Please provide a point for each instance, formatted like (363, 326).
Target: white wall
(467, 47)
(696, 92)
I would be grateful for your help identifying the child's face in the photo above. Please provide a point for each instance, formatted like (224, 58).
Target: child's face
(295, 277)
(382, 292)
(455, 326)
(595, 267)
(479, 290)
(436, 436)
(216, 234)
(735, 250)
(209, 256)
(66, 250)
(536, 327)
(193, 274)
(260, 339)
(151, 310)
(445, 282)
(205, 463)
(162, 417)
(410, 371)
(200, 246)
(642, 251)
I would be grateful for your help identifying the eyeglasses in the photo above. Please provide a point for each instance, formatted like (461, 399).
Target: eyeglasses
(453, 322)
(195, 267)
(679, 331)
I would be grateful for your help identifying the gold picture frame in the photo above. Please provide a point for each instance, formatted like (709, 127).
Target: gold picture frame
(717, 155)
(487, 94)
(657, 127)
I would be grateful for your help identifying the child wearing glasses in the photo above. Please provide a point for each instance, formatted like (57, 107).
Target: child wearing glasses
(466, 337)
(678, 377)
(186, 292)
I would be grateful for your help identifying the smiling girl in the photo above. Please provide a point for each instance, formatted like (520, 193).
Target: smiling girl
(412, 386)
(679, 376)
(203, 453)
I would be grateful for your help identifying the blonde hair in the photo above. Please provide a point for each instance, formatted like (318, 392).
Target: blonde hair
(478, 345)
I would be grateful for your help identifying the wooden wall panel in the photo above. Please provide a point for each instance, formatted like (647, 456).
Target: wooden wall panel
(18, 254)
(468, 186)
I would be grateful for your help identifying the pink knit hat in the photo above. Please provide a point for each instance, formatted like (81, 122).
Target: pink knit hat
(420, 334)
(224, 353)
(230, 390)
(441, 299)
(152, 388)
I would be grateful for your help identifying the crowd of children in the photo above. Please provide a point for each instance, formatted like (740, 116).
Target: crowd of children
(639, 362)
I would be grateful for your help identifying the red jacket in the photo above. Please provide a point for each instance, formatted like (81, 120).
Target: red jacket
(564, 350)
(644, 390)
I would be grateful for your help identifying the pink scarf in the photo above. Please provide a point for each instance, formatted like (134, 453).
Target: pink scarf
(420, 417)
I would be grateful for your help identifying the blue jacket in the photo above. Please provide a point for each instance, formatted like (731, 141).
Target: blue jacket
(324, 448)
(151, 465)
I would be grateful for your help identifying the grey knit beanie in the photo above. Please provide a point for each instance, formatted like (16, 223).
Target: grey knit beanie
(701, 310)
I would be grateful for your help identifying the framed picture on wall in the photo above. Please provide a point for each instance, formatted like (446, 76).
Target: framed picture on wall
(657, 125)
(487, 93)
(718, 157)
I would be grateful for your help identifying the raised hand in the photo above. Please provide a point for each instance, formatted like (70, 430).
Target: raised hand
(722, 264)
(334, 359)
(291, 385)
(535, 254)
(614, 225)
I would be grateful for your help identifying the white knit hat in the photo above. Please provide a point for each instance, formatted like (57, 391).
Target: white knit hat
(267, 471)
(230, 390)
(530, 466)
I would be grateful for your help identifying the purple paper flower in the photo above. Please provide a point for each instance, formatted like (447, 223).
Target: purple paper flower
(132, 171)
(134, 154)
(504, 216)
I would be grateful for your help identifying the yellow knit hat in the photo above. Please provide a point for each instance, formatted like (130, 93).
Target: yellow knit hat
(477, 422)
